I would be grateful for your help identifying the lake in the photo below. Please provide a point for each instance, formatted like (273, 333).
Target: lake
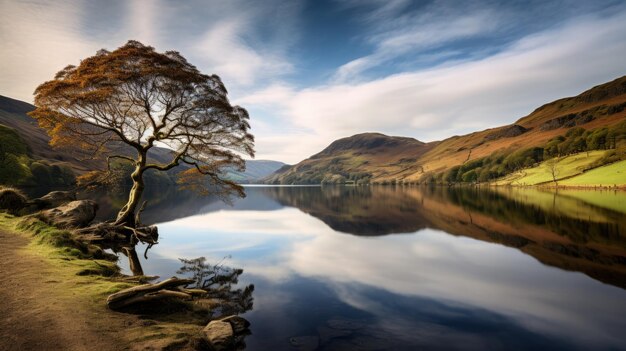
(403, 268)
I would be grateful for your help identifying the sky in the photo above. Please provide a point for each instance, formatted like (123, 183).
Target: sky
(312, 71)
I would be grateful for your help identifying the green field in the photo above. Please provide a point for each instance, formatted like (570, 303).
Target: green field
(567, 167)
(610, 175)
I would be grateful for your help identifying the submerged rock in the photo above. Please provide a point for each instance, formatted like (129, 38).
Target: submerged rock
(74, 214)
(305, 342)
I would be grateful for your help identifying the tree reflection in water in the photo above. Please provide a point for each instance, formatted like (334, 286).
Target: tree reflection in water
(218, 281)
(558, 229)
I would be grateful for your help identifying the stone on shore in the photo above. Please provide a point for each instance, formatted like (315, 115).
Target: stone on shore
(220, 334)
(54, 199)
(74, 214)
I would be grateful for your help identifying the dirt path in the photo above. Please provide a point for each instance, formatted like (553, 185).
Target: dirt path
(35, 314)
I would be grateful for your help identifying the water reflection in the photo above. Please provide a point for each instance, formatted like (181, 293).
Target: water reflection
(442, 284)
(558, 230)
(218, 281)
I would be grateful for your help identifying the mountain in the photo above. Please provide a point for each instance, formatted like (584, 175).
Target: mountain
(19, 128)
(13, 115)
(356, 159)
(377, 158)
(256, 170)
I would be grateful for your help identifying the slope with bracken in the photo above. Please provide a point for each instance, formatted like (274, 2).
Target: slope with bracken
(394, 159)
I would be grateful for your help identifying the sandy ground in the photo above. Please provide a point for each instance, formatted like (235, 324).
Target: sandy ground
(34, 315)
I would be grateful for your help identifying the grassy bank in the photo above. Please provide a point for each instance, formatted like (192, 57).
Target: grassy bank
(87, 268)
(73, 276)
(578, 170)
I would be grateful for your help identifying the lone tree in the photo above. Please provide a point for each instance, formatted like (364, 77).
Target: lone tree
(123, 103)
(141, 98)
(553, 167)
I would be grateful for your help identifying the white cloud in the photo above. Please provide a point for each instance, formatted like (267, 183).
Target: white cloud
(225, 51)
(292, 123)
(419, 36)
(458, 97)
(38, 39)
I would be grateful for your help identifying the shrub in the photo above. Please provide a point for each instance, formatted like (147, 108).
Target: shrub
(12, 200)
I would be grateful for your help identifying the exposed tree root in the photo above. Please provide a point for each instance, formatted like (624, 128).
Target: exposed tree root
(173, 287)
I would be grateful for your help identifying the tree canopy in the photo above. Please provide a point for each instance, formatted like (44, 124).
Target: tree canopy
(140, 98)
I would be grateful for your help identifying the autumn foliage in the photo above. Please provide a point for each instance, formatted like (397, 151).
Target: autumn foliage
(136, 98)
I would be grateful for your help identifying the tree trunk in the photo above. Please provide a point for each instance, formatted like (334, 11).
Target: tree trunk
(133, 260)
(126, 216)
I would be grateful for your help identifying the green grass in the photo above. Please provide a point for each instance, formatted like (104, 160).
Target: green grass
(85, 268)
(610, 175)
(567, 167)
(84, 275)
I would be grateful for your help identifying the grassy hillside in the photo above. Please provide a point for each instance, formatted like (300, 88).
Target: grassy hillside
(19, 168)
(593, 120)
(566, 167)
(611, 175)
(601, 106)
(28, 161)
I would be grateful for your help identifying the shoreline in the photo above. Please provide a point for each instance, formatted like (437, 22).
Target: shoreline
(55, 298)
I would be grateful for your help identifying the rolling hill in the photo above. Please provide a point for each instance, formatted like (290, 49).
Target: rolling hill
(24, 131)
(356, 159)
(256, 170)
(377, 158)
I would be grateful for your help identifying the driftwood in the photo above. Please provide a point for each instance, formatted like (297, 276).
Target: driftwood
(172, 287)
(110, 232)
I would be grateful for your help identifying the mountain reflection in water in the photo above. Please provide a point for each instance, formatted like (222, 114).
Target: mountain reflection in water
(461, 273)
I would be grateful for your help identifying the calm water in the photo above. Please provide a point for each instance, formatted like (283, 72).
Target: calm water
(406, 268)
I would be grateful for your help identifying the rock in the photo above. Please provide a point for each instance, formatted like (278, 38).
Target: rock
(239, 324)
(74, 214)
(220, 334)
(12, 200)
(54, 199)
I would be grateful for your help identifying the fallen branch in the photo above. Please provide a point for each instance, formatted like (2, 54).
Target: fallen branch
(151, 292)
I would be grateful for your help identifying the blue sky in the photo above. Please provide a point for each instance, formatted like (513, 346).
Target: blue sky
(312, 71)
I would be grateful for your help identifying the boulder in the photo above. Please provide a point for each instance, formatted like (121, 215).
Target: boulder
(54, 199)
(74, 214)
(220, 334)
(12, 200)
(239, 324)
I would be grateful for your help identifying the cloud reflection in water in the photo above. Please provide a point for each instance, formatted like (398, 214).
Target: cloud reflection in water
(416, 288)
